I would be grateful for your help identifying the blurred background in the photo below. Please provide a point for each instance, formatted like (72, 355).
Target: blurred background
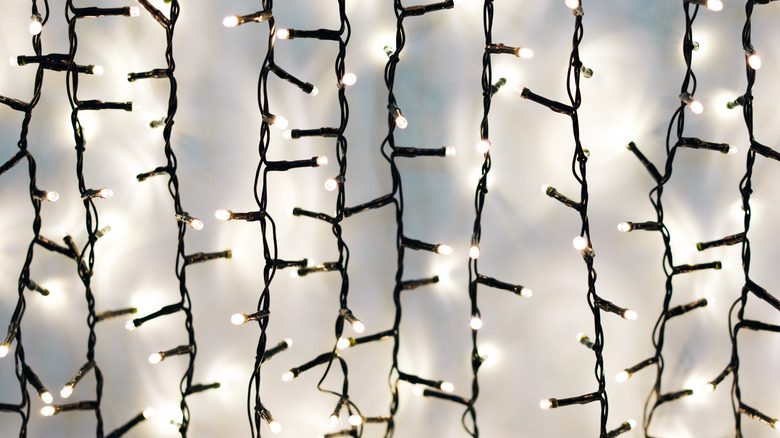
(635, 51)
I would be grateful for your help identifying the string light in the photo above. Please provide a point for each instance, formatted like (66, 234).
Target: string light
(242, 318)
(520, 52)
(160, 356)
(236, 20)
(185, 217)
(395, 114)
(695, 106)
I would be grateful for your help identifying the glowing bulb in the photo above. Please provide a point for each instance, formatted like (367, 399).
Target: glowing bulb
(754, 62)
(98, 70)
(624, 227)
(48, 411)
(35, 26)
(524, 52)
(148, 412)
(715, 5)
(12, 61)
(447, 387)
(66, 391)
(47, 397)
(545, 403)
(544, 188)
(475, 322)
(622, 376)
(450, 151)
(155, 358)
(4, 350)
(52, 196)
(281, 123)
(314, 91)
(358, 326)
(732, 150)
(130, 325)
(322, 161)
(287, 376)
(238, 319)
(355, 420)
(283, 34)
(232, 21)
(631, 422)
(287, 134)
(706, 388)
(343, 343)
(483, 146)
(333, 420)
(580, 243)
(474, 252)
(331, 184)
(196, 224)
(630, 315)
(417, 390)
(106, 193)
(526, 292)
(443, 249)
(275, 426)
(349, 79)
(696, 107)
(401, 122)
(222, 215)
(572, 4)
(134, 12)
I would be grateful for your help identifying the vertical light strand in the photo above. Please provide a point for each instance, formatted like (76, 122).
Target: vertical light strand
(14, 327)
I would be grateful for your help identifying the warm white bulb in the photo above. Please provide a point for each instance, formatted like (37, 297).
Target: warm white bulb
(624, 227)
(12, 60)
(238, 319)
(231, 21)
(630, 315)
(47, 397)
(418, 390)
(281, 123)
(572, 4)
(314, 91)
(706, 388)
(483, 146)
(134, 12)
(106, 193)
(355, 420)
(288, 341)
(475, 322)
(349, 79)
(447, 386)
(333, 420)
(631, 422)
(622, 376)
(525, 53)
(222, 215)
(401, 122)
(322, 161)
(754, 62)
(443, 249)
(545, 403)
(48, 411)
(732, 150)
(147, 413)
(450, 151)
(715, 5)
(287, 376)
(4, 350)
(283, 34)
(358, 326)
(52, 196)
(275, 426)
(130, 325)
(66, 391)
(696, 107)
(331, 184)
(474, 252)
(580, 243)
(196, 224)
(155, 358)
(35, 27)
(525, 292)
(287, 134)
(98, 70)
(342, 343)
(544, 188)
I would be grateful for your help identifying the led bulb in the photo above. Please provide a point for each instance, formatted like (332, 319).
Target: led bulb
(443, 249)
(450, 151)
(696, 107)
(275, 426)
(35, 26)
(572, 4)
(349, 79)
(524, 52)
(231, 21)
(331, 184)
(288, 341)
(4, 350)
(98, 70)
(222, 215)
(12, 61)
(287, 134)
(342, 343)
(631, 422)
(580, 243)
(525, 292)
(732, 150)
(106, 193)
(287, 376)
(544, 188)
(546, 403)
(281, 123)
(196, 224)
(630, 315)
(148, 413)
(624, 227)
(418, 390)
(48, 411)
(66, 391)
(358, 326)
(134, 12)
(238, 319)
(322, 161)
(622, 376)
(333, 420)
(483, 146)
(355, 420)
(283, 34)
(130, 325)
(715, 5)
(474, 252)
(706, 388)
(155, 358)
(401, 122)
(314, 91)
(754, 61)
(447, 387)
(47, 397)
(475, 322)
(52, 196)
